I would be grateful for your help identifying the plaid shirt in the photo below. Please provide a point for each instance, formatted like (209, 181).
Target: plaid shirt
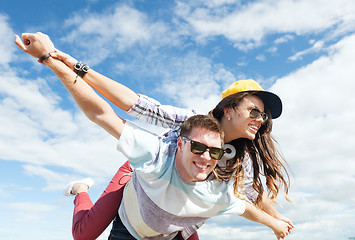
(151, 111)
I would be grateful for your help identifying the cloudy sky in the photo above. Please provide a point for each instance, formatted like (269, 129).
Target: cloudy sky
(182, 53)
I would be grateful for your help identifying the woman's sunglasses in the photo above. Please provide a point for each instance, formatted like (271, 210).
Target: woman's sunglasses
(255, 113)
(199, 148)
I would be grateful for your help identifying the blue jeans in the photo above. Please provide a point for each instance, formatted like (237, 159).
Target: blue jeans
(120, 232)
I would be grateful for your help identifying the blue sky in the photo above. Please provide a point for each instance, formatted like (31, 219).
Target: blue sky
(182, 53)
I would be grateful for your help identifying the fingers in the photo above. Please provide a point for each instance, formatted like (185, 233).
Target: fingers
(286, 220)
(67, 59)
(59, 55)
(35, 44)
(291, 224)
(283, 235)
(27, 39)
(19, 43)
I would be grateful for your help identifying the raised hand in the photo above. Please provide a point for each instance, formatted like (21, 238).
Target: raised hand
(35, 44)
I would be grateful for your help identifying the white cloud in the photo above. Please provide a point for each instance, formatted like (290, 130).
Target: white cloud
(3, 193)
(214, 231)
(317, 139)
(214, 3)
(30, 211)
(284, 39)
(7, 190)
(39, 131)
(247, 25)
(261, 58)
(272, 50)
(114, 31)
(7, 47)
(54, 180)
(195, 81)
(316, 47)
(125, 22)
(28, 207)
(242, 63)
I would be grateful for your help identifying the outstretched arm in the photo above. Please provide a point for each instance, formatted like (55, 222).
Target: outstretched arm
(266, 203)
(280, 228)
(118, 94)
(268, 207)
(94, 107)
(141, 107)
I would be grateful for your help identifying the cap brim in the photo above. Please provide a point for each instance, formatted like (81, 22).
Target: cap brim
(272, 102)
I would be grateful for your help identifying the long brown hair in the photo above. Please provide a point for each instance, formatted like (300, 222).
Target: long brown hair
(266, 159)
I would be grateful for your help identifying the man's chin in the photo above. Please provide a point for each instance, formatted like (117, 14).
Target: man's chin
(201, 177)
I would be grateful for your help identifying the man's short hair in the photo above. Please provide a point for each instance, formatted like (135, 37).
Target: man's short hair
(201, 121)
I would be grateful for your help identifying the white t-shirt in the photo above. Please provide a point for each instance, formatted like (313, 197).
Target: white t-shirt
(157, 202)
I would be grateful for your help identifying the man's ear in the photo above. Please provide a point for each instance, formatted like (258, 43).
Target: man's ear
(179, 144)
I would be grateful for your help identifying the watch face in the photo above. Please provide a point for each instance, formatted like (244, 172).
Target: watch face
(85, 68)
(78, 65)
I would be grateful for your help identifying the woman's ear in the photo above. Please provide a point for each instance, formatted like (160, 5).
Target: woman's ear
(227, 113)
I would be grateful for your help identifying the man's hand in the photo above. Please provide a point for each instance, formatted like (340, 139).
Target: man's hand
(36, 45)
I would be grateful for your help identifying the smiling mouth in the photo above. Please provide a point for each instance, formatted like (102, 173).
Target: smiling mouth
(254, 128)
(201, 166)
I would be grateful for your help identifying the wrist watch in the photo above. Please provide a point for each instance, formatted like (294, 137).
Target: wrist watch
(81, 69)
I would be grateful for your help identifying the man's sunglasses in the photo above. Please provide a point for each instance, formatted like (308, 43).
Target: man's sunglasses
(199, 148)
(255, 113)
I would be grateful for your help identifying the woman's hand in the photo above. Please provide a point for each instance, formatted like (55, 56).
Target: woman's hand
(35, 44)
(281, 229)
(286, 220)
(65, 58)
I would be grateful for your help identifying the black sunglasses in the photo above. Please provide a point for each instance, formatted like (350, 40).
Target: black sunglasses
(255, 113)
(199, 148)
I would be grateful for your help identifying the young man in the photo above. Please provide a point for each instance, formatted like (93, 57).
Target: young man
(171, 188)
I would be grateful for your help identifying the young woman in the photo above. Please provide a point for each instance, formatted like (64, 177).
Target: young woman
(245, 114)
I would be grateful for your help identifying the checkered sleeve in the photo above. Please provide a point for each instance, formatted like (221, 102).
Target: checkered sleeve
(151, 111)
